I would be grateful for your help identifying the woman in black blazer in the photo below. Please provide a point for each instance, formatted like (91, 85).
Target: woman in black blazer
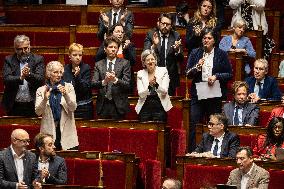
(79, 75)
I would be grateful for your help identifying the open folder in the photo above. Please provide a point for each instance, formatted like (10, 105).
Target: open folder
(205, 91)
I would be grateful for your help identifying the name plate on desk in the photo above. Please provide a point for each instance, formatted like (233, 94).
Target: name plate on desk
(76, 2)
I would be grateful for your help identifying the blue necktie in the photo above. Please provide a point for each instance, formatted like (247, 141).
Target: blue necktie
(236, 117)
(215, 150)
(259, 89)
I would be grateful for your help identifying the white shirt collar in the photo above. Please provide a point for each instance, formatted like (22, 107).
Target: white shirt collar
(16, 155)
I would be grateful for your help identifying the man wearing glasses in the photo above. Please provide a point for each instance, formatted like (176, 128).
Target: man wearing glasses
(17, 163)
(218, 141)
(167, 45)
(23, 73)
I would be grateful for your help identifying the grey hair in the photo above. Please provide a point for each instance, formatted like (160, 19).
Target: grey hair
(177, 183)
(263, 61)
(20, 39)
(146, 53)
(240, 22)
(50, 67)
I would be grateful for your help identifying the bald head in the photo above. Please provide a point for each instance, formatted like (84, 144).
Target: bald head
(19, 134)
(20, 140)
(171, 184)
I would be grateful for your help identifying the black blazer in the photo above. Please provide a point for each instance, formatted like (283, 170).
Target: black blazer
(57, 170)
(129, 24)
(221, 68)
(81, 83)
(230, 143)
(11, 77)
(119, 90)
(8, 172)
(250, 113)
(173, 59)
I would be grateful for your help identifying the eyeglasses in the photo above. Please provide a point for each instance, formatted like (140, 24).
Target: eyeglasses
(23, 140)
(210, 124)
(165, 24)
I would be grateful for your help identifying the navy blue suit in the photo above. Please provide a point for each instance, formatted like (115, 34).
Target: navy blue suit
(203, 108)
(57, 170)
(230, 143)
(270, 89)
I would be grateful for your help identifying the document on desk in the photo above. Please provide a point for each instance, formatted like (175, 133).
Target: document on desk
(205, 91)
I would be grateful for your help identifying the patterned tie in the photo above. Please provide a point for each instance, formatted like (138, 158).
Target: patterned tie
(236, 117)
(109, 85)
(162, 53)
(215, 150)
(114, 19)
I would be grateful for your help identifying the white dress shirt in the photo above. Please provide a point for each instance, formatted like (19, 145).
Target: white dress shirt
(208, 65)
(246, 177)
(19, 163)
(220, 139)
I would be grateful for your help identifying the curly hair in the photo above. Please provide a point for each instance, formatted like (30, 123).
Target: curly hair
(270, 136)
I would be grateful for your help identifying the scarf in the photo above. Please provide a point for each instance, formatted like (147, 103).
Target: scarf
(55, 100)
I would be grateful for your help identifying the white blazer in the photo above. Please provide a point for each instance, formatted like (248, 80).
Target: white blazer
(258, 14)
(69, 137)
(162, 78)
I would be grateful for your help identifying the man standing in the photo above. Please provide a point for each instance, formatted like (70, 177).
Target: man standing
(167, 45)
(112, 78)
(52, 168)
(117, 14)
(17, 169)
(218, 142)
(248, 175)
(23, 73)
(262, 86)
(240, 111)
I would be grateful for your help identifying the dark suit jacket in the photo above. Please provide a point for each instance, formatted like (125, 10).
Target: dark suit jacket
(230, 143)
(119, 90)
(81, 83)
(259, 178)
(129, 54)
(221, 68)
(270, 89)
(11, 77)
(250, 113)
(173, 59)
(8, 172)
(57, 170)
(129, 24)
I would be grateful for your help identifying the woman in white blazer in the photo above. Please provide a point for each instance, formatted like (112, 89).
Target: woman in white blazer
(152, 86)
(56, 103)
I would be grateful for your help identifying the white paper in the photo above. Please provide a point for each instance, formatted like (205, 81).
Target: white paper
(204, 91)
(76, 2)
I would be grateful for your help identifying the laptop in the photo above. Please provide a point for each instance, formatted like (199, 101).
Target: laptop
(279, 153)
(226, 186)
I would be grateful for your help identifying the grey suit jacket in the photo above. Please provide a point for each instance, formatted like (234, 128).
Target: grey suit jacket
(8, 172)
(57, 170)
(119, 90)
(259, 178)
(230, 143)
(250, 113)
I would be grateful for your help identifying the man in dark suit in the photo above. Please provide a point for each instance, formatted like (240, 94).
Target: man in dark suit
(17, 163)
(218, 142)
(23, 73)
(262, 86)
(52, 168)
(167, 45)
(240, 111)
(112, 78)
(117, 14)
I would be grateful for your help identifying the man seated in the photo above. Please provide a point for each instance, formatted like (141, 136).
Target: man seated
(218, 142)
(17, 169)
(248, 174)
(170, 183)
(52, 168)
(240, 111)
(262, 86)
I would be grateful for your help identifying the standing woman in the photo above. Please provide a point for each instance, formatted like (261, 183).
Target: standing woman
(152, 86)
(204, 17)
(207, 64)
(56, 103)
(79, 75)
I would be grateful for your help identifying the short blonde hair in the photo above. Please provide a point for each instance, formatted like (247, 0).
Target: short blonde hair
(240, 22)
(75, 47)
(50, 67)
(146, 53)
(263, 61)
